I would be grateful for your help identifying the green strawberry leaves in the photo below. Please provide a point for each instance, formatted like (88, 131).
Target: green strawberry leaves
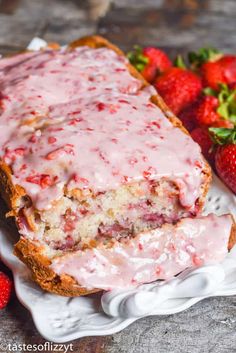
(222, 136)
(208, 91)
(196, 59)
(227, 101)
(137, 59)
(179, 62)
(227, 111)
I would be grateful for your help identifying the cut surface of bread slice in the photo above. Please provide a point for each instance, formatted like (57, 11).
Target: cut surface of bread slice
(89, 152)
(157, 254)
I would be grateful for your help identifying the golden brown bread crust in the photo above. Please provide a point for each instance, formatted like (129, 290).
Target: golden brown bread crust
(10, 193)
(48, 280)
(232, 238)
(30, 253)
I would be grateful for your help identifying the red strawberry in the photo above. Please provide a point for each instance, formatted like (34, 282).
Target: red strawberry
(5, 289)
(223, 123)
(222, 102)
(212, 75)
(232, 85)
(157, 58)
(205, 60)
(214, 66)
(149, 73)
(228, 65)
(187, 116)
(202, 137)
(205, 112)
(149, 61)
(178, 87)
(226, 164)
(217, 109)
(221, 71)
(188, 120)
(225, 160)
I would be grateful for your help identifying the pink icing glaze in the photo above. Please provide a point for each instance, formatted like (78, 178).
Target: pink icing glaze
(158, 254)
(78, 118)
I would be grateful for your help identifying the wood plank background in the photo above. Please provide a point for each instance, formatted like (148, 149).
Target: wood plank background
(177, 26)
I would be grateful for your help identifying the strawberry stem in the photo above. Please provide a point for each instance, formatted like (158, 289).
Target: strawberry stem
(137, 59)
(196, 59)
(208, 91)
(222, 136)
(179, 62)
(227, 101)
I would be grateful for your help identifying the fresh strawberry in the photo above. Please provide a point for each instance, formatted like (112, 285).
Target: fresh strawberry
(227, 102)
(212, 75)
(216, 108)
(187, 116)
(205, 112)
(228, 66)
(187, 120)
(157, 58)
(225, 159)
(226, 165)
(202, 137)
(149, 61)
(149, 73)
(178, 87)
(232, 85)
(214, 66)
(220, 71)
(206, 62)
(5, 289)
(223, 123)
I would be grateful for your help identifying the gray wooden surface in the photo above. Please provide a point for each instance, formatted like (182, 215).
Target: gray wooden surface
(210, 326)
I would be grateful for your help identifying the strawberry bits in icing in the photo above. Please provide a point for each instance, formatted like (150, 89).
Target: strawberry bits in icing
(77, 118)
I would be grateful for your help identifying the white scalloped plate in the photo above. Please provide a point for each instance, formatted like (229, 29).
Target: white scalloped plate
(61, 319)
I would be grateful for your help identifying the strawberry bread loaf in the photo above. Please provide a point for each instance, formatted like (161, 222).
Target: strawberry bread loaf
(90, 158)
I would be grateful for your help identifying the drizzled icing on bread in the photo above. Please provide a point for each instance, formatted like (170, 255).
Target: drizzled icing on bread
(77, 118)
